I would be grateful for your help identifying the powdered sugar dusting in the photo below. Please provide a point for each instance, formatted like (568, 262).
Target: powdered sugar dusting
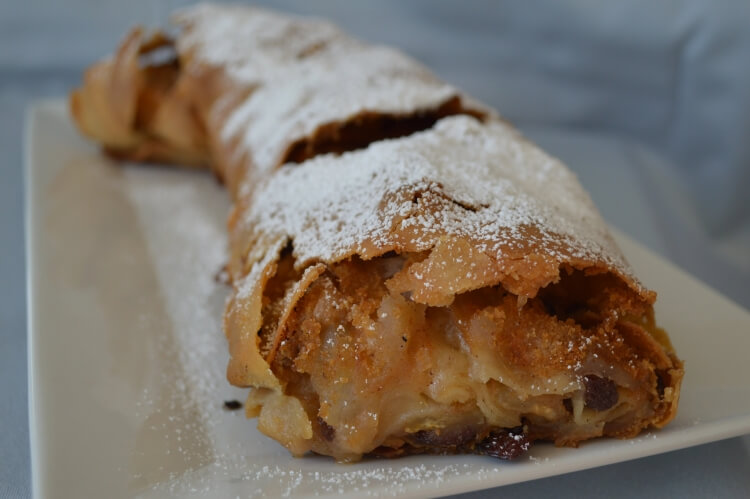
(261, 40)
(188, 446)
(304, 73)
(489, 183)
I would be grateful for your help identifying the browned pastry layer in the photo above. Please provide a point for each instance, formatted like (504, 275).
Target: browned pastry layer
(136, 106)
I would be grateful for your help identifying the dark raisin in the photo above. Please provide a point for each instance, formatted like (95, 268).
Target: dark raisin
(504, 444)
(232, 405)
(425, 437)
(601, 393)
(327, 431)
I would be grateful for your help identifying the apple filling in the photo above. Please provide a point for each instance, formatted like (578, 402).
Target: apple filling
(378, 372)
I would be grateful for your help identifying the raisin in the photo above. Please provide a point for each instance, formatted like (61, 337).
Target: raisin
(504, 444)
(601, 393)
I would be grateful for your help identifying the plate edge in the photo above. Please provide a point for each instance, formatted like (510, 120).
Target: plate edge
(32, 115)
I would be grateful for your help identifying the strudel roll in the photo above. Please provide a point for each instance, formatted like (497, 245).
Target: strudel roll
(410, 275)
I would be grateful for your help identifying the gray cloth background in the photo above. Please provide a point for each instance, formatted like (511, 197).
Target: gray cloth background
(649, 102)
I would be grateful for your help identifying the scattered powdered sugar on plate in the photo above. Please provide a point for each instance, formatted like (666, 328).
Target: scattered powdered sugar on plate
(263, 480)
(182, 219)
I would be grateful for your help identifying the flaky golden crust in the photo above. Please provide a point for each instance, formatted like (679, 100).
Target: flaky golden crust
(450, 290)
(139, 111)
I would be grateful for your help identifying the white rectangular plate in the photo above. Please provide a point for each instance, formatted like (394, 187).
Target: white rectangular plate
(127, 358)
